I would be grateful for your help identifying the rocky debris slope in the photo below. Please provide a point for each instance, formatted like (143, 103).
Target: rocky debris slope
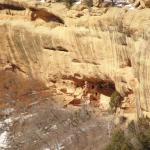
(43, 125)
(141, 3)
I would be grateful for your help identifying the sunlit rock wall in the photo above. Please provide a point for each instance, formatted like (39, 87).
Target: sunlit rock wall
(111, 47)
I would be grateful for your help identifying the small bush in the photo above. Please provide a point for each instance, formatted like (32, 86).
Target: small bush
(68, 3)
(115, 101)
(138, 133)
(132, 128)
(119, 142)
(88, 3)
(143, 133)
(81, 115)
(144, 139)
(143, 123)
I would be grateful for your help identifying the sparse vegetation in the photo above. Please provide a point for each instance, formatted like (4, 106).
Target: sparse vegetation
(119, 142)
(81, 115)
(88, 3)
(138, 133)
(115, 101)
(131, 127)
(142, 133)
(68, 3)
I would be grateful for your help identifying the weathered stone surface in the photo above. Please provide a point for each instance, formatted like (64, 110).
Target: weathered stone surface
(140, 3)
(112, 47)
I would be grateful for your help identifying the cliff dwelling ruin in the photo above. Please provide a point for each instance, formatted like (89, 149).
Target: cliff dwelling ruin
(74, 75)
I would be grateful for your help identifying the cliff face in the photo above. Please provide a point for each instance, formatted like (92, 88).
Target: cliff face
(111, 47)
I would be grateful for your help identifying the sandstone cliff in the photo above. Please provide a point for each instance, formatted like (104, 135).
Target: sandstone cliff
(110, 46)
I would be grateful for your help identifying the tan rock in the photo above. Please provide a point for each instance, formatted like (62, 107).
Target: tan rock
(140, 4)
(112, 47)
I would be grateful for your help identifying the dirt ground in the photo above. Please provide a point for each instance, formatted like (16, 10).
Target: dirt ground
(41, 124)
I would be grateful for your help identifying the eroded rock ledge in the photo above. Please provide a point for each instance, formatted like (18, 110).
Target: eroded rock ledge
(111, 48)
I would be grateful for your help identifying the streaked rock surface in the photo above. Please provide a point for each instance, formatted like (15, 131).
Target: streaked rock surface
(110, 45)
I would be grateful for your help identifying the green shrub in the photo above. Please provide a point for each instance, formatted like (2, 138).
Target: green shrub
(143, 132)
(138, 133)
(81, 115)
(119, 142)
(115, 101)
(132, 128)
(143, 123)
(88, 3)
(144, 139)
(68, 3)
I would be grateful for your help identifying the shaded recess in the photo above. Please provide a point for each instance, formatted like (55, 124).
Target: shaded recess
(36, 13)
(58, 48)
(92, 90)
(44, 15)
(106, 87)
(10, 6)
